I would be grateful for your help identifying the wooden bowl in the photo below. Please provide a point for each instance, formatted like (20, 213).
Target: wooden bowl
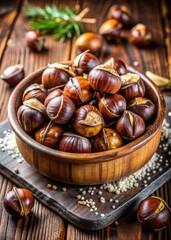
(90, 168)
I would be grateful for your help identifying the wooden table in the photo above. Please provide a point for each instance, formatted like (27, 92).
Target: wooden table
(42, 223)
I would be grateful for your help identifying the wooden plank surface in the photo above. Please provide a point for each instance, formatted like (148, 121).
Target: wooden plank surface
(158, 61)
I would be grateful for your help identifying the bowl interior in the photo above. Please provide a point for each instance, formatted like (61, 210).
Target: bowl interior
(152, 92)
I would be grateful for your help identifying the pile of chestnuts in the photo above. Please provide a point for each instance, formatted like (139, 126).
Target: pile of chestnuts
(86, 107)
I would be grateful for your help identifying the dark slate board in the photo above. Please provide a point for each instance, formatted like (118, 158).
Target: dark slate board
(65, 203)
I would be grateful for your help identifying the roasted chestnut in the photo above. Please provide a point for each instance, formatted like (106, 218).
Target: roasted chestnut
(49, 135)
(120, 66)
(132, 86)
(74, 143)
(34, 41)
(130, 125)
(140, 35)
(111, 30)
(35, 91)
(106, 139)
(56, 75)
(60, 109)
(52, 94)
(19, 202)
(13, 74)
(78, 90)
(153, 213)
(112, 106)
(104, 78)
(121, 13)
(84, 63)
(31, 115)
(144, 107)
(88, 121)
(89, 40)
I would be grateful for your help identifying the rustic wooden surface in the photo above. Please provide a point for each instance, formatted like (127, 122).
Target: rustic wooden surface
(44, 223)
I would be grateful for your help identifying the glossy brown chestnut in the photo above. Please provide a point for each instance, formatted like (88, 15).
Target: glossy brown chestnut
(144, 107)
(74, 143)
(121, 13)
(19, 202)
(89, 40)
(49, 135)
(78, 90)
(153, 213)
(56, 75)
(111, 30)
(120, 66)
(13, 74)
(31, 115)
(84, 63)
(130, 125)
(106, 139)
(112, 106)
(34, 41)
(104, 78)
(52, 94)
(60, 109)
(35, 91)
(88, 121)
(140, 35)
(132, 86)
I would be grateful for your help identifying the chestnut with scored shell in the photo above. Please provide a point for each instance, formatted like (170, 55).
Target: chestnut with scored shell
(144, 107)
(153, 213)
(111, 30)
(60, 109)
(35, 91)
(52, 94)
(19, 202)
(104, 78)
(130, 125)
(31, 115)
(34, 41)
(13, 74)
(88, 121)
(78, 90)
(120, 66)
(56, 75)
(132, 86)
(84, 63)
(106, 139)
(49, 135)
(112, 106)
(74, 143)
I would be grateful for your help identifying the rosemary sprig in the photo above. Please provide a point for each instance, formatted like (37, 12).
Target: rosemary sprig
(62, 23)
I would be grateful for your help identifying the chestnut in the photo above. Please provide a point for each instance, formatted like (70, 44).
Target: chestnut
(140, 36)
(106, 139)
(34, 41)
(111, 106)
(78, 90)
(104, 78)
(60, 109)
(111, 30)
(89, 40)
(144, 107)
(74, 143)
(35, 91)
(31, 115)
(52, 94)
(56, 75)
(132, 86)
(84, 63)
(130, 125)
(88, 121)
(120, 66)
(13, 74)
(49, 135)
(121, 13)
(153, 213)
(19, 202)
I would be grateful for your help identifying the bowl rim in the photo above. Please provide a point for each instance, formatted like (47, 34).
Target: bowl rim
(92, 157)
